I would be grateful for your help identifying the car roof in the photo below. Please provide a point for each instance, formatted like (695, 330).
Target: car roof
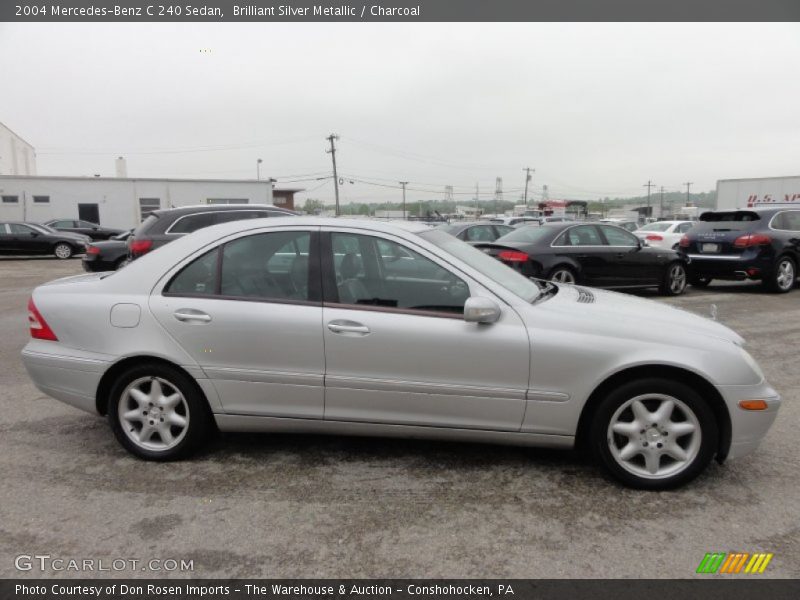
(195, 208)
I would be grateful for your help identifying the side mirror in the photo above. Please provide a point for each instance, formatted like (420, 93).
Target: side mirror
(481, 310)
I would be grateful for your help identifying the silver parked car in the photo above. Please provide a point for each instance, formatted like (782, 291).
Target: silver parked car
(390, 329)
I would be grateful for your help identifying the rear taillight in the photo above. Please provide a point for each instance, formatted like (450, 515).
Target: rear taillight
(139, 247)
(684, 243)
(513, 256)
(39, 327)
(93, 250)
(752, 239)
(654, 238)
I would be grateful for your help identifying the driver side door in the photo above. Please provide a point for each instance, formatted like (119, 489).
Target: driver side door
(397, 349)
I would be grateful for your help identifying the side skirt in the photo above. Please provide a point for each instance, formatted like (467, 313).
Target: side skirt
(243, 423)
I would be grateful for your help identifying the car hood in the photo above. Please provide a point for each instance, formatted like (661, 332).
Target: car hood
(78, 237)
(623, 315)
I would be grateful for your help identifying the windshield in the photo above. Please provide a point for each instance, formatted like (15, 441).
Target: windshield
(663, 226)
(42, 228)
(528, 233)
(486, 265)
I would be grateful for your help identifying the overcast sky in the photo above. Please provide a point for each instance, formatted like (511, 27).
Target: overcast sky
(596, 109)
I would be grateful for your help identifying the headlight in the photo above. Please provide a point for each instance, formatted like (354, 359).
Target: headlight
(751, 362)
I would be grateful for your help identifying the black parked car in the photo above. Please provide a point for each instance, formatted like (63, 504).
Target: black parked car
(599, 255)
(761, 244)
(162, 226)
(31, 238)
(93, 230)
(476, 231)
(108, 255)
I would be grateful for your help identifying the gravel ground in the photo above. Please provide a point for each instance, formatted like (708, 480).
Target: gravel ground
(304, 506)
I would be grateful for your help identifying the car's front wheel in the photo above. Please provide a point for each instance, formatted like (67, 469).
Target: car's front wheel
(157, 412)
(674, 281)
(62, 250)
(654, 434)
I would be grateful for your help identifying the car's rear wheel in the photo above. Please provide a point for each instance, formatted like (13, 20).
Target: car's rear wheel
(674, 281)
(654, 434)
(63, 250)
(563, 274)
(158, 413)
(698, 281)
(783, 276)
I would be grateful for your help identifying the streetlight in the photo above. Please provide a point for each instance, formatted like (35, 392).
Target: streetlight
(258, 168)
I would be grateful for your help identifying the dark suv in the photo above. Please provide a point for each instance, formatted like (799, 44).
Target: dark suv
(761, 244)
(162, 226)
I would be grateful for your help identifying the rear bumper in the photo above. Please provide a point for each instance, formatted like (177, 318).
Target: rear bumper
(96, 266)
(736, 267)
(748, 427)
(65, 374)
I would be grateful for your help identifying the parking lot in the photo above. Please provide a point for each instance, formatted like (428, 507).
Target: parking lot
(304, 506)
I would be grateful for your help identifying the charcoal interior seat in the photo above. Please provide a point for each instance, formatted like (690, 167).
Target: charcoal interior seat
(298, 276)
(351, 289)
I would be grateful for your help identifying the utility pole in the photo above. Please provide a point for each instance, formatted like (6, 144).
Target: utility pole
(258, 169)
(648, 185)
(404, 184)
(498, 193)
(477, 195)
(332, 152)
(688, 185)
(527, 179)
(661, 205)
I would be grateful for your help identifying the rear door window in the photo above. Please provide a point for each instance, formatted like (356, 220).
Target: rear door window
(191, 223)
(787, 221)
(619, 237)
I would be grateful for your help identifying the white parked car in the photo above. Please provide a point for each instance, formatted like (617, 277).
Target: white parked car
(664, 234)
(365, 328)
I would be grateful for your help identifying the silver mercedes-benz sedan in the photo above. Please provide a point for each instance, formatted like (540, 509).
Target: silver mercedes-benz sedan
(369, 328)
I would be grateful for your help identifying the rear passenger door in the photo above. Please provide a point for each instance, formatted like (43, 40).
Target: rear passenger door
(249, 312)
(584, 245)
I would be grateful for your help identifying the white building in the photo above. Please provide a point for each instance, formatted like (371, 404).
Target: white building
(17, 157)
(121, 202)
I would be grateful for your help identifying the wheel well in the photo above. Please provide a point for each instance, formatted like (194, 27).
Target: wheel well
(706, 389)
(107, 381)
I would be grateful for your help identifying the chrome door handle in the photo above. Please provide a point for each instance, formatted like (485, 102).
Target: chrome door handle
(348, 327)
(189, 314)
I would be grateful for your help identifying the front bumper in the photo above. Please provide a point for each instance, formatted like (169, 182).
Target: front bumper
(65, 374)
(748, 427)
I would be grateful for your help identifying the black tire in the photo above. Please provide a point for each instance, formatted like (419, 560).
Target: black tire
(63, 250)
(701, 450)
(673, 282)
(699, 281)
(778, 282)
(197, 413)
(563, 274)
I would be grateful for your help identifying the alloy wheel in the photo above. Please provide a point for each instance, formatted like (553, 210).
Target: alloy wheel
(785, 276)
(63, 251)
(153, 413)
(654, 436)
(677, 279)
(563, 276)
